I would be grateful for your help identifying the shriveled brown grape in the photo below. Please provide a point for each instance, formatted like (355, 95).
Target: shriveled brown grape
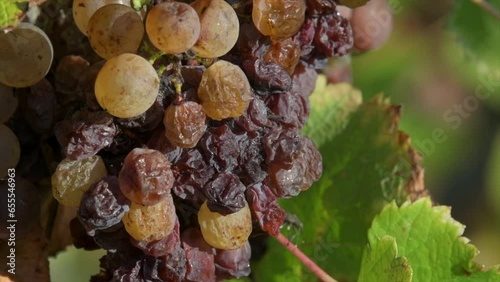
(146, 177)
(224, 91)
(285, 53)
(184, 124)
(278, 19)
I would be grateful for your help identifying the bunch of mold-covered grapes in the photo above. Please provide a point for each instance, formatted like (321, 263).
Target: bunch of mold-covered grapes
(176, 146)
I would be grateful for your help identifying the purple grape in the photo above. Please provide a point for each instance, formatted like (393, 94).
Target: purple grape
(85, 134)
(267, 77)
(146, 177)
(220, 148)
(333, 35)
(265, 208)
(225, 193)
(81, 240)
(233, 263)
(103, 205)
(290, 109)
(191, 175)
(199, 256)
(160, 247)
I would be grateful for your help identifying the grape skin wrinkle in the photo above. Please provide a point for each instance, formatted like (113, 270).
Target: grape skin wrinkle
(224, 91)
(150, 223)
(127, 85)
(73, 178)
(225, 232)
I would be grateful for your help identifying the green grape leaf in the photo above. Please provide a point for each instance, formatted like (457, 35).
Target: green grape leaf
(11, 12)
(381, 263)
(331, 106)
(431, 240)
(138, 4)
(479, 32)
(365, 166)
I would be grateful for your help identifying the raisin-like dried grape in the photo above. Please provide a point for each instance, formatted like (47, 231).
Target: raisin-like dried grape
(304, 80)
(191, 175)
(184, 124)
(285, 53)
(333, 35)
(290, 109)
(72, 178)
(265, 208)
(199, 256)
(146, 177)
(220, 148)
(254, 118)
(103, 205)
(278, 19)
(79, 236)
(85, 134)
(225, 193)
(231, 264)
(224, 91)
(267, 77)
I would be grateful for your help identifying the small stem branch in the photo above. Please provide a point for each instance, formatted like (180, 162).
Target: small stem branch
(487, 7)
(305, 259)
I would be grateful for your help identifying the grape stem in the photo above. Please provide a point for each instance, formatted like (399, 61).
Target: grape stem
(320, 273)
(487, 7)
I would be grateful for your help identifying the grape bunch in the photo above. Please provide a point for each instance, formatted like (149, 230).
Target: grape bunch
(172, 128)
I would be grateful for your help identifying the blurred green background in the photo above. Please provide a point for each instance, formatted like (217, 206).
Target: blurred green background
(427, 68)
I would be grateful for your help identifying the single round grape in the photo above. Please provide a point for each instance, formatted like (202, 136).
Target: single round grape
(278, 19)
(224, 91)
(73, 178)
(184, 124)
(146, 177)
(225, 232)
(10, 151)
(115, 29)
(26, 55)
(126, 86)
(8, 103)
(150, 223)
(173, 27)
(219, 28)
(372, 25)
(84, 9)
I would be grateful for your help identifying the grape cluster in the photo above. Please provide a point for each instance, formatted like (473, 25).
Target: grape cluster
(177, 145)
